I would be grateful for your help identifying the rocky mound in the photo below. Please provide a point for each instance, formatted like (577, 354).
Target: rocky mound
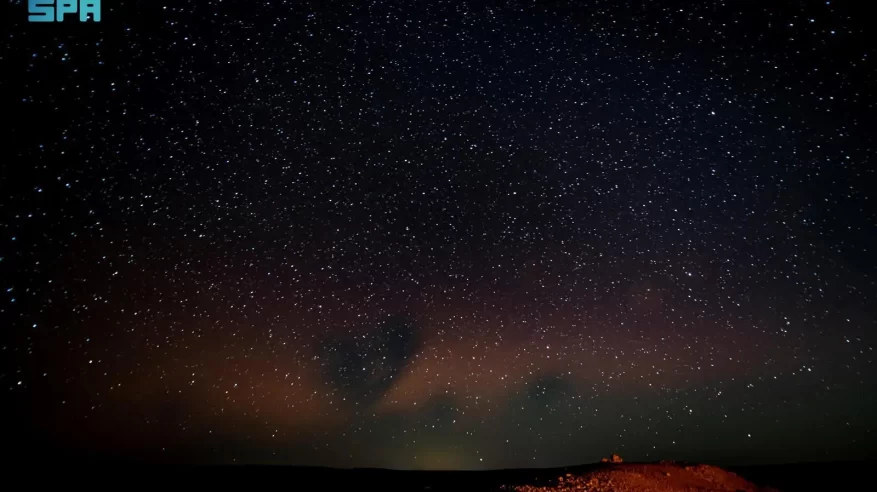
(662, 477)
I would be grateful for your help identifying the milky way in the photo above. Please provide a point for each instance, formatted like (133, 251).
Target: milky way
(440, 234)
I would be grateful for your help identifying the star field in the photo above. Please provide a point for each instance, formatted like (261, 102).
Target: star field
(437, 235)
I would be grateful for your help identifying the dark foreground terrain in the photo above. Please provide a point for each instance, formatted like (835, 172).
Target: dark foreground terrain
(600, 477)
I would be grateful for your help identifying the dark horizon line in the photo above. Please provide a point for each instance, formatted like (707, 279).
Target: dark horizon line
(123, 461)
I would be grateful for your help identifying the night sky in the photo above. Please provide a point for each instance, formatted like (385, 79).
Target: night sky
(440, 234)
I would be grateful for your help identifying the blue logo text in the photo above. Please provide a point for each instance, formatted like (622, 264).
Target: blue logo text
(54, 11)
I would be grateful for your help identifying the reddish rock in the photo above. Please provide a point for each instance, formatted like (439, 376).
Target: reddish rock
(659, 477)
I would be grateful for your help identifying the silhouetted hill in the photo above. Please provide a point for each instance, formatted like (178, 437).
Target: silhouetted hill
(90, 470)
